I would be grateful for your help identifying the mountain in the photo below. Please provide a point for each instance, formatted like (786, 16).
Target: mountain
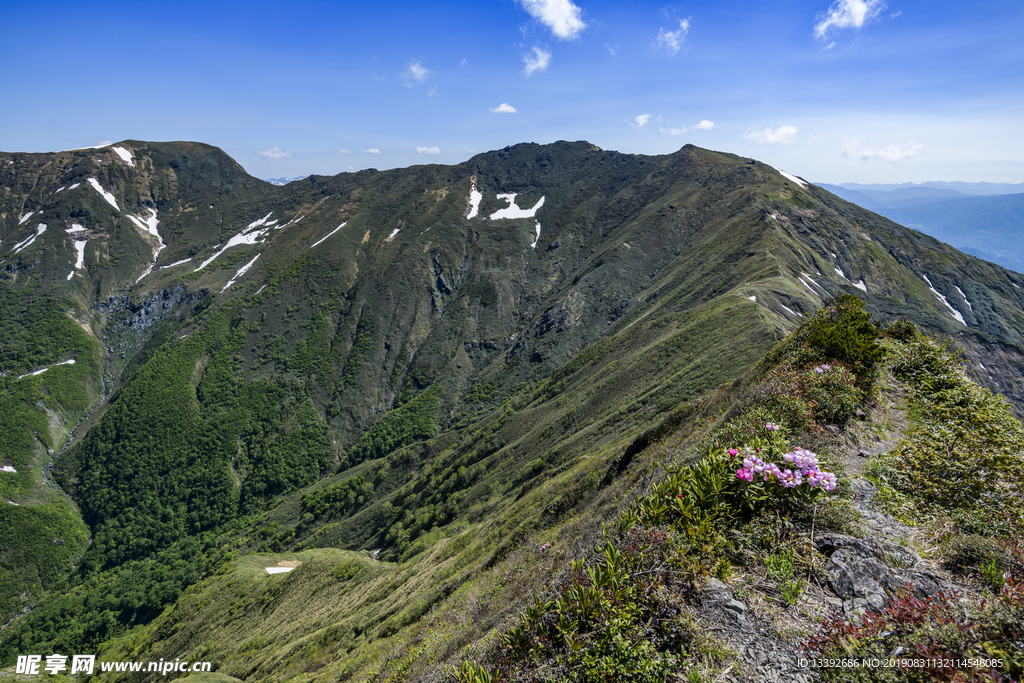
(426, 366)
(975, 218)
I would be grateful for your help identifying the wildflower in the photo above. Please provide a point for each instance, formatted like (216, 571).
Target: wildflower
(744, 475)
(733, 452)
(772, 427)
(789, 479)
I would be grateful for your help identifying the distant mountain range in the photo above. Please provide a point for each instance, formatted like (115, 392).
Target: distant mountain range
(982, 219)
(284, 181)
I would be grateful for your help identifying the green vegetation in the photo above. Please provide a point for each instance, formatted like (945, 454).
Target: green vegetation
(964, 456)
(414, 421)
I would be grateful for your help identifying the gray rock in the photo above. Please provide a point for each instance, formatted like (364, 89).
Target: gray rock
(736, 606)
(716, 585)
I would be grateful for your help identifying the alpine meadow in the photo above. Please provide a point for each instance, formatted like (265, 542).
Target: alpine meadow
(551, 413)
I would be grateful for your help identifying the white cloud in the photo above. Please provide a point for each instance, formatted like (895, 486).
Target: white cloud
(673, 131)
(783, 135)
(847, 14)
(274, 153)
(611, 49)
(344, 151)
(705, 125)
(892, 154)
(372, 150)
(641, 121)
(561, 16)
(464, 62)
(540, 60)
(673, 40)
(415, 72)
(428, 151)
(504, 108)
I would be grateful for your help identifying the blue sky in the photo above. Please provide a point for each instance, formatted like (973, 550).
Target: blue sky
(856, 90)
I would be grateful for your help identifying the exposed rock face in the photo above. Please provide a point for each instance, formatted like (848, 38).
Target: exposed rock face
(859, 574)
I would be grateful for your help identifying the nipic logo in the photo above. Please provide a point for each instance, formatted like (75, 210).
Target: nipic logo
(31, 664)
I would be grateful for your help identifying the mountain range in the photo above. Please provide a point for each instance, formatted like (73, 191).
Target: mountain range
(982, 219)
(396, 376)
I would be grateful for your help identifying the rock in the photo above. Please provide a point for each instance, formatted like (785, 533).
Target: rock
(716, 585)
(736, 606)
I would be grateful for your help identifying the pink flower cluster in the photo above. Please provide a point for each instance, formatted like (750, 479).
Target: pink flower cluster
(804, 469)
(821, 369)
(773, 427)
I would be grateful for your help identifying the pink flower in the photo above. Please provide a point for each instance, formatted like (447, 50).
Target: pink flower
(733, 452)
(745, 475)
(789, 479)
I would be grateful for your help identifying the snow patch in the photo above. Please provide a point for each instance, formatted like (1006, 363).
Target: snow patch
(39, 372)
(861, 286)
(243, 237)
(793, 178)
(537, 238)
(80, 248)
(982, 365)
(176, 263)
(393, 233)
(75, 227)
(840, 271)
(291, 222)
(8, 468)
(279, 570)
(329, 234)
(71, 274)
(813, 282)
(125, 155)
(965, 297)
(59, 189)
(106, 195)
(149, 225)
(26, 217)
(956, 313)
(240, 273)
(475, 196)
(74, 186)
(261, 289)
(24, 243)
(512, 210)
(258, 223)
(753, 298)
(791, 311)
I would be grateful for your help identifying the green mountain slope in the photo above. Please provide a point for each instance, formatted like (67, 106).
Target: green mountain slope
(434, 362)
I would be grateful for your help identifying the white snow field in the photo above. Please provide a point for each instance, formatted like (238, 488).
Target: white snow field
(106, 195)
(125, 155)
(475, 197)
(513, 211)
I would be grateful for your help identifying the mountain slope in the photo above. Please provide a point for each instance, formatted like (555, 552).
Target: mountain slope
(440, 359)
